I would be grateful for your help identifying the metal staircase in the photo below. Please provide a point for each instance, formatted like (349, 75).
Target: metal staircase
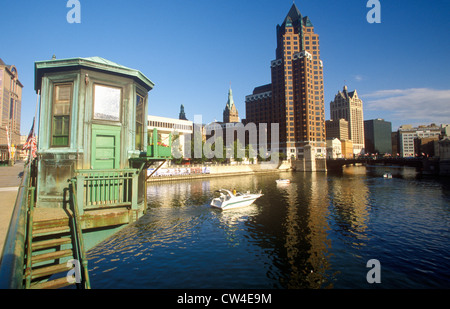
(54, 247)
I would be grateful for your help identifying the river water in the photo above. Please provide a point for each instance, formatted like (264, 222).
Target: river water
(317, 232)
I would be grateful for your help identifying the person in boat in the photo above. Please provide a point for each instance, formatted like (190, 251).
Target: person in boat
(234, 191)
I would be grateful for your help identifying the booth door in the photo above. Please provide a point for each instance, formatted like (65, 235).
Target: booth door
(105, 147)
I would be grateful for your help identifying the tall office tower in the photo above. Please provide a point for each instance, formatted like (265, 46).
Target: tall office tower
(348, 106)
(377, 133)
(230, 113)
(295, 97)
(10, 108)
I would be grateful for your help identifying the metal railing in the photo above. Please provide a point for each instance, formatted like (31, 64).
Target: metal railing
(78, 242)
(98, 189)
(12, 258)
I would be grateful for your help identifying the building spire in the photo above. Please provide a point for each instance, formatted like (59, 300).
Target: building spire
(230, 113)
(182, 115)
(294, 13)
(230, 101)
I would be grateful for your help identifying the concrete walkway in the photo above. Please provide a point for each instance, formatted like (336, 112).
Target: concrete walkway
(10, 178)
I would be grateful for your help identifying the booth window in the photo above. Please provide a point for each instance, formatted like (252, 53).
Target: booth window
(107, 102)
(140, 122)
(62, 101)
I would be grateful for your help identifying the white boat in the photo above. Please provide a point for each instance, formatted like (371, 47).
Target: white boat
(281, 181)
(387, 175)
(228, 200)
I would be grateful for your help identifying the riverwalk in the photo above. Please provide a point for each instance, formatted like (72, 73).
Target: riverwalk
(10, 178)
(186, 172)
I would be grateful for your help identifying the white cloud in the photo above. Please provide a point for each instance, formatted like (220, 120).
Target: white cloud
(359, 78)
(411, 106)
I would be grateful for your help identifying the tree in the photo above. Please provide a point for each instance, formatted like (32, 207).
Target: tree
(217, 145)
(237, 151)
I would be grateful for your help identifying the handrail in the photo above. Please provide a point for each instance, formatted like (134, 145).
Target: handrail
(28, 269)
(12, 258)
(78, 237)
(91, 171)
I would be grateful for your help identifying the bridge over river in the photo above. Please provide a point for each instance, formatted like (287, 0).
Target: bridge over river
(424, 164)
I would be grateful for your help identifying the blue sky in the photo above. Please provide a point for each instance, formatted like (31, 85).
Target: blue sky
(192, 50)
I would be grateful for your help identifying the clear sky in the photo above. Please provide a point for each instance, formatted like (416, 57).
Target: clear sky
(194, 49)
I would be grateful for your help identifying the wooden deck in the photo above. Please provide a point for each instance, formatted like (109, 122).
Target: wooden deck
(55, 217)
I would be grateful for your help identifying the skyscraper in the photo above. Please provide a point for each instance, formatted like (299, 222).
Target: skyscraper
(377, 133)
(347, 105)
(295, 98)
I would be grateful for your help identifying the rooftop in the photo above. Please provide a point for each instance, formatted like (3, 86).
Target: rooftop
(96, 63)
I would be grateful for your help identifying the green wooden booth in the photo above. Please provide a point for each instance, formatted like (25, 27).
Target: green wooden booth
(92, 122)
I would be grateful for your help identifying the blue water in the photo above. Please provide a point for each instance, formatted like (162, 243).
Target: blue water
(317, 232)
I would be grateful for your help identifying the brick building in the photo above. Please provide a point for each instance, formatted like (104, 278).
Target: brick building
(295, 97)
(10, 108)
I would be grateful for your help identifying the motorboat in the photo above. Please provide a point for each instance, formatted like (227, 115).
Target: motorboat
(283, 181)
(229, 200)
(387, 175)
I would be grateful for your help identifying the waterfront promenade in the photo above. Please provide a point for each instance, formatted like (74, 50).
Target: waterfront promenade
(10, 178)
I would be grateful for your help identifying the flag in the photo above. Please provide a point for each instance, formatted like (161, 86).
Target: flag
(31, 142)
(27, 144)
(33, 146)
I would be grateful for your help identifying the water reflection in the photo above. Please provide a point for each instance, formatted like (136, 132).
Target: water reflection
(285, 231)
(177, 194)
(316, 232)
(349, 203)
(288, 223)
(232, 221)
(305, 224)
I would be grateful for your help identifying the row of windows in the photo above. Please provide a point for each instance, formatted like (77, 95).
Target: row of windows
(169, 125)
